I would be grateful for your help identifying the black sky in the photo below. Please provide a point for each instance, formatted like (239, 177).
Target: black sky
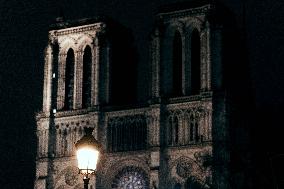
(23, 37)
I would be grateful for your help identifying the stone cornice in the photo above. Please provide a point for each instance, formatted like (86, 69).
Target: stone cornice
(128, 112)
(191, 98)
(79, 29)
(185, 13)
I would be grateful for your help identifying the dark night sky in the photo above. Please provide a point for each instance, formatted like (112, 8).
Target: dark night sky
(23, 37)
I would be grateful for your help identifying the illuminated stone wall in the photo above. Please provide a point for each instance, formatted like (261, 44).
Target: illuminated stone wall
(181, 130)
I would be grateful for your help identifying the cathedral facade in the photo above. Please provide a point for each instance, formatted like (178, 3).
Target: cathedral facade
(177, 139)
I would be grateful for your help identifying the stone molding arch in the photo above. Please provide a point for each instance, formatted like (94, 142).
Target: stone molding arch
(178, 113)
(171, 28)
(194, 23)
(66, 44)
(185, 167)
(67, 177)
(83, 42)
(111, 170)
(167, 57)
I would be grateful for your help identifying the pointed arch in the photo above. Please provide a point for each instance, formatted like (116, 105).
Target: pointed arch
(83, 41)
(195, 62)
(67, 44)
(170, 132)
(172, 60)
(64, 142)
(186, 130)
(176, 130)
(196, 131)
(173, 130)
(69, 80)
(87, 77)
(191, 128)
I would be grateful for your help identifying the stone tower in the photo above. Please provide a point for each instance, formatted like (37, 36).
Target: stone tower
(177, 139)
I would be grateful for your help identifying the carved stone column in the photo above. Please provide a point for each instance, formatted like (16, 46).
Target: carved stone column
(61, 81)
(47, 79)
(95, 72)
(187, 62)
(221, 144)
(78, 79)
(153, 130)
(153, 124)
(101, 75)
(155, 62)
(203, 59)
(208, 57)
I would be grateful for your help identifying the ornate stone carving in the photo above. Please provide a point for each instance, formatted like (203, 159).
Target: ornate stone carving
(184, 125)
(131, 177)
(130, 168)
(183, 169)
(110, 166)
(71, 176)
(67, 177)
(79, 30)
(52, 37)
(61, 187)
(186, 13)
(127, 119)
(204, 158)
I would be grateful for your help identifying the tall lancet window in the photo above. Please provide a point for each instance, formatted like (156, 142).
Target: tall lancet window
(173, 131)
(195, 62)
(87, 73)
(177, 65)
(69, 80)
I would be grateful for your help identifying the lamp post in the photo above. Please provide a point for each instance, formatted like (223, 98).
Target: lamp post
(87, 152)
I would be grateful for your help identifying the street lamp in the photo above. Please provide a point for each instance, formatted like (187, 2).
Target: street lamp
(87, 152)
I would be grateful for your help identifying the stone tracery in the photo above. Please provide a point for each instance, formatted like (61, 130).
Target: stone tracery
(188, 116)
(130, 177)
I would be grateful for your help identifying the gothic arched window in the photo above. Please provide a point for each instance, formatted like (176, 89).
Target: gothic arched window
(195, 62)
(130, 177)
(173, 131)
(64, 142)
(69, 80)
(87, 74)
(191, 128)
(177, 65)
(196, 132)
(176, 133)
(127, 134)
(170, 133)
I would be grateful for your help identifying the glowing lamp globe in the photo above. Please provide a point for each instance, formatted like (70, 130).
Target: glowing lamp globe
(87, 152)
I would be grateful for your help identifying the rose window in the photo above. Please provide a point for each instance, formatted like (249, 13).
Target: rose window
(130, 178)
